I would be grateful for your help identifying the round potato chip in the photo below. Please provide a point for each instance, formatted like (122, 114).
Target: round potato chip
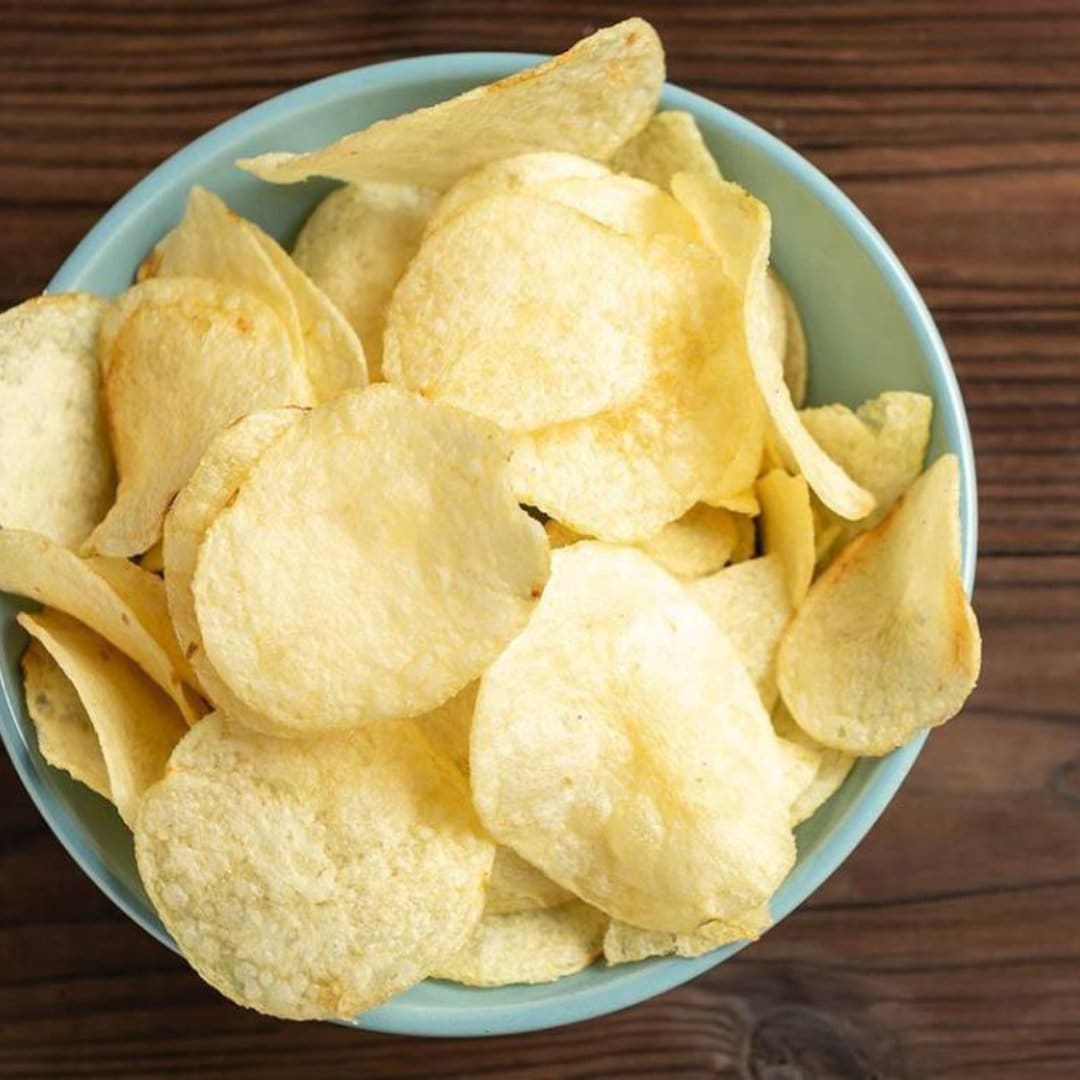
(814, 772)
(528, 947)
(787, 528)
(356, 245)
(671, 143)
(377, 544)
(56, 470)
(619, 745)
(135, 723)
(524, 312)
(220, 352)
(886, 643)
(312, 879)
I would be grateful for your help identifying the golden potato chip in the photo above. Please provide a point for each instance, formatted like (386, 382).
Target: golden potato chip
(816, 771)
(737, 227)
(886, 643)
(624, 944)
(750, 603)
(670, 143)
(694, 435)
(213, 242)
(220, 352)
(377, 543)
(355, 247)
(528, 947)
(65, 735)
(455, 327)
(153, 559)
(312, 879)
(56, 471)
(216, 479)
(114, 598)
(518, 886)
(587, 101)
(135, 723)
(620, 746)
(787, 528)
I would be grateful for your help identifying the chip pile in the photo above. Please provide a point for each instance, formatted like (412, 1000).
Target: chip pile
(469, 595)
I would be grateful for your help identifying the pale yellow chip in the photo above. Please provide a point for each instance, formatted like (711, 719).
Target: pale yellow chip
(525, 312)
(587, 101)
(528, 947)
(694, 435)
(312, 878)
(741, 502)
(787, 528)
(65, 735)
(886, 643)
(737, 227)
(115, 598)
(356, 245)
(670, 143)
(56, 470)
(183, 358)
(796, 363)
(815, 772)
(216, 479)
(750, 603)
(625, 944)
(378, 546)
(517, 885)
(135, 723)
(620, 746)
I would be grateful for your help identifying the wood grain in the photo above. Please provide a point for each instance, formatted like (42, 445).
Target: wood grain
(949, 944)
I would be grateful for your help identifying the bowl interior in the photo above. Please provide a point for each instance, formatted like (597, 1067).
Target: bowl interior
(867, 329)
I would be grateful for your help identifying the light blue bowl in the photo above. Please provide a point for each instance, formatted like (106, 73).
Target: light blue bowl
(868, 330)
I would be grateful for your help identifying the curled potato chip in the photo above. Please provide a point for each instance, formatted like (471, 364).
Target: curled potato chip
(65, 735)
(221, 352)
(316, 878)
(426, 565)
(796, 370)
(135, 723)
(815, 772)
(519, 886)
(886, 643)
(694, 434)
(356, 245)
(619, 745)
(787, 528)
(587, 101)
(56, 470)
(115, 598)
(454, 327)
(737, 227)
(624, 944)
(670, 143)
(528, 947)
(751, 604)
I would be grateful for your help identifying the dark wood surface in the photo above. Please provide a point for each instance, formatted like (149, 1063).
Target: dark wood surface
(949, 945)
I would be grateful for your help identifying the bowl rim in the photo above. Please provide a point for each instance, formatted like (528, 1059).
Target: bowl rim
(641, 981)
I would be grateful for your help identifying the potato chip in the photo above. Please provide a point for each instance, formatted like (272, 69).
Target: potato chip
(624, 944)
(750, 603)
(65, 735)
(221, 352)
(737, 227)
(528, 947)
(796, 365)
(114, 598)
(587, 101)
(454, 330)
(312, 879)
(216, 479)
(619, 745)
(742, 503)
(356, 245)
(817, 772)
(787, 528)
(135, 723)
(518, 886)
(213, 242)
(56, 471)
(670, 143)
(694, 435)
(377, 543)
(886, 643)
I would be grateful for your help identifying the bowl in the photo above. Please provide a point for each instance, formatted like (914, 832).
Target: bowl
(868, 331)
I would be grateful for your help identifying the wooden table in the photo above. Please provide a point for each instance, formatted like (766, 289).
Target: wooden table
(949, 944)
